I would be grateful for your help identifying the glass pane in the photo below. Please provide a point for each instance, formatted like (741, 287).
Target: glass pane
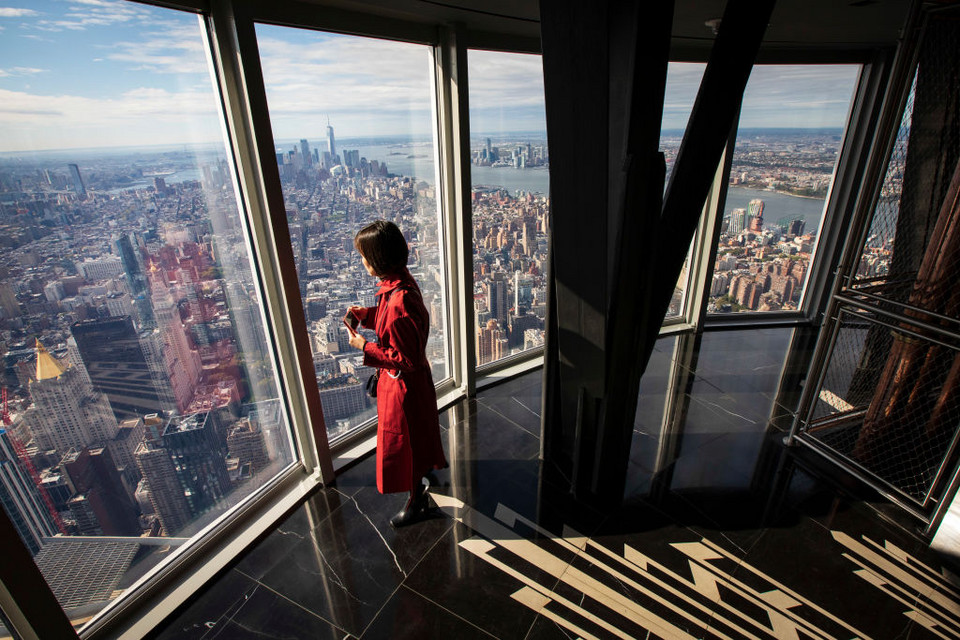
(511, 202)
(683, 82)
(788, 142)
(140, 399)
(353, 127)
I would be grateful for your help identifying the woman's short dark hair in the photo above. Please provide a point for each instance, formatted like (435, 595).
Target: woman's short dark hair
(383, 245)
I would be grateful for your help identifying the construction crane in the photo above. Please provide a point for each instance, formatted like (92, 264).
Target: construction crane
(5, 414)
(29, 466)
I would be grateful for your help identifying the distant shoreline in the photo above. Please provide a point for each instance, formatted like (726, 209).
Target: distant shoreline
(776, 191)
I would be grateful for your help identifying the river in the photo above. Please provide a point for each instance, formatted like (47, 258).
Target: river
(421, 165)
(777, 206)
(417, 160)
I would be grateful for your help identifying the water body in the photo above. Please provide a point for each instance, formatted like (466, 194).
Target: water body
(406, 159)
(777, 206)
(415, 159)
(537, 180)
(421, 166)
(183, 175)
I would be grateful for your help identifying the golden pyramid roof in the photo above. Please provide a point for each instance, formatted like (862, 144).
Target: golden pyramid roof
(47, 366)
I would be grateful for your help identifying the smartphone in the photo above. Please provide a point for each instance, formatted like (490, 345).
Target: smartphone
(351, 321)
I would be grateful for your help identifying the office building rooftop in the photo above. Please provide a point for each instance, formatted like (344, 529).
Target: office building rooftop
(85, 572)
(184, 424)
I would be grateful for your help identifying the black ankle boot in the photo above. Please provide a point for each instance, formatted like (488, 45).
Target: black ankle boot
(414, 509)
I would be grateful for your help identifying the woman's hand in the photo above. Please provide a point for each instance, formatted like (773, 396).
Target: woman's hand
(354, 309)
(357, 341)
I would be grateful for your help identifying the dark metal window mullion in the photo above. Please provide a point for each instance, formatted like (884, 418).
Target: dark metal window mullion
(253, 139)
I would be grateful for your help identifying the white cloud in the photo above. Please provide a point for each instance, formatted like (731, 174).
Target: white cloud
(683, 83)
(20, 71)
(377, 87)
(505, 80)
(95, 13)
(366, 86)
(506, 92)
(178, 50)
(15, 12)
(140, 116)
(776, 96)
(799, 95)
(96, 3)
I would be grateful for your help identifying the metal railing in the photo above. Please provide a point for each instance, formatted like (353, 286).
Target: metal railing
(882, 398)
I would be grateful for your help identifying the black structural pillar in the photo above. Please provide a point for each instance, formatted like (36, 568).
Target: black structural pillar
(617, 248)
(604, 71)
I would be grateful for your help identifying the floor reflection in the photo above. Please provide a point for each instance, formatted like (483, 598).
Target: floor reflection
(724, 532)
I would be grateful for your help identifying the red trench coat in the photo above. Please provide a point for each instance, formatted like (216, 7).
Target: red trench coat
(408, 425)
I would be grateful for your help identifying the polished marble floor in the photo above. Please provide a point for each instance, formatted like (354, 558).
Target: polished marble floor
(724, 532)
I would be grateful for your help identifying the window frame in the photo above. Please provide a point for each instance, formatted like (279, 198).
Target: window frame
(346, 24)
(515, 364)
(232, 42)
(840, 198)
(168, 585)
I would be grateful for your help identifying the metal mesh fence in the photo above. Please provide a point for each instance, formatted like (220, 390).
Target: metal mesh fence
(838, 397)
(877, 248)
(889, 400)
(888, 397)
(921, 163)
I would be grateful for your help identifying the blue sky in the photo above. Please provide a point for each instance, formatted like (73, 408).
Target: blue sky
(776, 96)
(89, 73)
(366, 86)
(506, 92)
(85, 73)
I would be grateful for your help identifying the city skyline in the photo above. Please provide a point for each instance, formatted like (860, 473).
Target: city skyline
(89, 73)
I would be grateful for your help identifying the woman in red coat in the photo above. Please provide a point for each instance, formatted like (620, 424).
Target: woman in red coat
(408, 425)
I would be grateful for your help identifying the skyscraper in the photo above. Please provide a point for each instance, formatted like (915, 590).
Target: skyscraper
(342, 396)
(111, 351)
(166, 493)
(246, 443)
(529, 237)
(519, 325)
(491, 343)
(497, 297)
(155, 354)
(122, 448)
(197, 453)
(100, 505)
(351, 158)
(8, 301)
(67, 412)
(133, 267)
(78, 187)
(331, 142)
(305, 152)
(21, 499)
(738, 222)
(247, 324)
(183, 364)
(522, 290)
(755, 213)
